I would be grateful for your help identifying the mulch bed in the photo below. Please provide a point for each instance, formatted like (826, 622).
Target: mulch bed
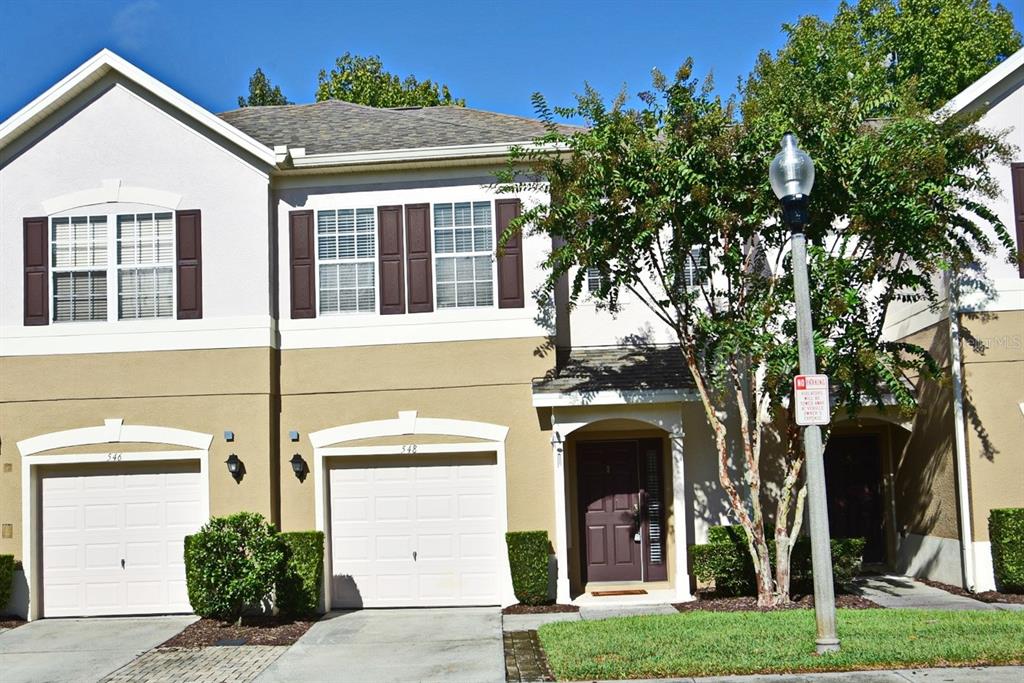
(984, 596)
(709, 602)
(11, 622)
(520, 608)
(263, 630)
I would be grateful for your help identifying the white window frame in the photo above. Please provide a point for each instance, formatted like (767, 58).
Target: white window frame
(55, 269)
(112, 269)
(694, 260)
(375, 260)
(434, 256)
(172, 264)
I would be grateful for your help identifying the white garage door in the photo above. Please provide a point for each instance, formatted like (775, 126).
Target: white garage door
(113, 540)
(418, 531)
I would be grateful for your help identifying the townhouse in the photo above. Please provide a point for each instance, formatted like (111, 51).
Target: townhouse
(301, 311)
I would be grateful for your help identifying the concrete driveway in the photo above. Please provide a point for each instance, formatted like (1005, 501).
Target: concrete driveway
(451, 644)
(80, 650)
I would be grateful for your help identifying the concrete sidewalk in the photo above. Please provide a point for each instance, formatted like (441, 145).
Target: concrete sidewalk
(987, 674)
(370, 646)
(83, 650)
(903, 592)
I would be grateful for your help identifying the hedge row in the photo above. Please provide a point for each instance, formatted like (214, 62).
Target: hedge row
(6, 579)
(726, 560)
(236, 562)
(528, 553)
(1006, 532)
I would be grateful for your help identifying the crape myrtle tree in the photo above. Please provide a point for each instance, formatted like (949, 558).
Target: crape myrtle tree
(900, 196)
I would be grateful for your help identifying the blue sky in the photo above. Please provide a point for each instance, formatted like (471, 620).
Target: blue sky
(493, 53)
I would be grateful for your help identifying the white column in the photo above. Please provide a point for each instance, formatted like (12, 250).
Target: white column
(561, 533)
(680, 513)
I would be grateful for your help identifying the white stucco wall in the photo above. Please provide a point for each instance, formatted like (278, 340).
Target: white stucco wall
(365, 190)
(112, 134)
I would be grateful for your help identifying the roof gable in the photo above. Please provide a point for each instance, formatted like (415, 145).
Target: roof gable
(983, 89)
(95, 69)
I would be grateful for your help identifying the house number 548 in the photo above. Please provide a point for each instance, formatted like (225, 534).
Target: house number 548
(409, 448)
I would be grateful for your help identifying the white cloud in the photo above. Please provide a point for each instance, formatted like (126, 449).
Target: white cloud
(132, 24)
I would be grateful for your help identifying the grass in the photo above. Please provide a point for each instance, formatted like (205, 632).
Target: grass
(717, 643)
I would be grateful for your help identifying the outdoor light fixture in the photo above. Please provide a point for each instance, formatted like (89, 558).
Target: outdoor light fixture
(235, 467)
(791, 175)
(299, 467)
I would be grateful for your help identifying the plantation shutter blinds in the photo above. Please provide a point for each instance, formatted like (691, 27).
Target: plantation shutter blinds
(1017, 178)
(654, 509)
(391, 260)
(37, 275)
(418, 258)
(695, 262)
(303, 261)
(510, 259)
(189, 264)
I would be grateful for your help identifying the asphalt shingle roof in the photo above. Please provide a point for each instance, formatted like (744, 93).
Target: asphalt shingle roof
(635, 368)
(334, 126)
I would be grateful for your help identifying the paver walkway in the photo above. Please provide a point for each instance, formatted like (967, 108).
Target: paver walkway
(223, 664)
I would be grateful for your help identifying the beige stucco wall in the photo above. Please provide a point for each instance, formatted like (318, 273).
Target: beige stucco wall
(205, 391)
(925, 471)
(483, 381)
(994, 422)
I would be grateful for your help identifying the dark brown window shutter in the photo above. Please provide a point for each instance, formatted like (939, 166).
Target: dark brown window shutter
(510, 259)
(190, 264)
(391, 257)
(1017, 176)
(417, 243)
(303, 261)
(37, 271)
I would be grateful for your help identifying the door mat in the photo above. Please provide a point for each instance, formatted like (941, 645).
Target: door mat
(608, 594)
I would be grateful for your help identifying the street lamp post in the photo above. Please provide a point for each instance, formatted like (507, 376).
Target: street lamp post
(792, 175)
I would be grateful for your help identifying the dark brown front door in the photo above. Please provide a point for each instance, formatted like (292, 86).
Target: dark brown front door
(609, 504)
(853, 480)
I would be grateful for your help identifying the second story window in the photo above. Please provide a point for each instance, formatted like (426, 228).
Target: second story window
(346, 243)
(463, 254)
(696, 264)
(79, 257)
(145, 265)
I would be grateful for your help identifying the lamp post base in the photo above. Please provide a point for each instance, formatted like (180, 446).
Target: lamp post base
(825, 645)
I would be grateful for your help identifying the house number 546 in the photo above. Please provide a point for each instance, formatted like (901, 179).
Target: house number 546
(113, 457)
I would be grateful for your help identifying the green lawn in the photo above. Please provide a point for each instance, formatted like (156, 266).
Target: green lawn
(716, 643)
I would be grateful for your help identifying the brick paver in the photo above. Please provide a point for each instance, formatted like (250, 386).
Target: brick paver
(524, 658)
(222, 664)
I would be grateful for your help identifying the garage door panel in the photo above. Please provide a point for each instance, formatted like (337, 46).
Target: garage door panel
(93, 520)
(440, 507)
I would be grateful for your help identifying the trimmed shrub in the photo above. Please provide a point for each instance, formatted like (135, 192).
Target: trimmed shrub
(297, 592)
(726, 561)
(6, 579)
(1006, 531)
(727, 564)
(230, 564)
(528, 559)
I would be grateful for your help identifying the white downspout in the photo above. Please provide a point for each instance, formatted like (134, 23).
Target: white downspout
(960, 439)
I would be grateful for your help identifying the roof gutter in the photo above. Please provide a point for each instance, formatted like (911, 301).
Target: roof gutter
(296, 157)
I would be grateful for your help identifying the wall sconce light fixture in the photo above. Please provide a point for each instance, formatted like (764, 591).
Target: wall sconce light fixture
(235, 466)
(299, 467)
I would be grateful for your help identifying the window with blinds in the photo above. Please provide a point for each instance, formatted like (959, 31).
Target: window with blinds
(79, 259)
(347, 260)
(145, 266)
(695, 266)
(463, 254)
(654, 508)
(593, 279)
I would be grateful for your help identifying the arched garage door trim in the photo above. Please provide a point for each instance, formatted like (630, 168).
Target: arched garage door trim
(489, 438)
(34, 455)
